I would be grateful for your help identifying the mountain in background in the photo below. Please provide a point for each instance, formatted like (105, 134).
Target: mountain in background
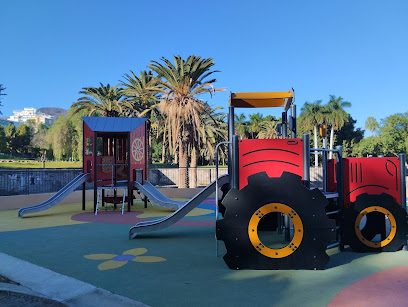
(53, 112)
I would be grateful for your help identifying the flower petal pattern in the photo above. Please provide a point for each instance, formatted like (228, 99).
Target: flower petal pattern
(111, 264)
(148, 259)
(100, 256)
(135, 251)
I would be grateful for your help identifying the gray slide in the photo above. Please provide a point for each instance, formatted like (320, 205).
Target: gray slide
(157, 197)
(169, 220)
(55, 199)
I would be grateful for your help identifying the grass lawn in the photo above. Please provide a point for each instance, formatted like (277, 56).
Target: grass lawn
(38, 164)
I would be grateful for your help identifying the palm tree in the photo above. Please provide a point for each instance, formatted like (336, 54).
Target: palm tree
(104, 99)
(268, 130)
(141, 92)
(336, 116)
(254, 123)
(241, 126)
(371, 125)
(212, 131)
(181, 83)
(313, 114)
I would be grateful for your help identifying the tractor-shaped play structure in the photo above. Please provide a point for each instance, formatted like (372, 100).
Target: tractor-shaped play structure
(272, 219)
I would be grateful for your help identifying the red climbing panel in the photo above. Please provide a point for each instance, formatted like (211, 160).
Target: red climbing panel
(270, 156)
(371, 176)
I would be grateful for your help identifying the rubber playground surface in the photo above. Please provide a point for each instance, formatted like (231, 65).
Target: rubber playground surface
(178, 266)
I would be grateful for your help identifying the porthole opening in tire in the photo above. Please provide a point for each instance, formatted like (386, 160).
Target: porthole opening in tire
(273, 234)
(270, 244)
(375, 226)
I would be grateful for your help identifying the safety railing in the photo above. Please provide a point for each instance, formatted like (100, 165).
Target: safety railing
(35, 181)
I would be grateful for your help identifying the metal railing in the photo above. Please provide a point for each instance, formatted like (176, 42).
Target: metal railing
(34, 181)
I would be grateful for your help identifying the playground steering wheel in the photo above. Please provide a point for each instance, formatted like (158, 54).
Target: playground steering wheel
(137, 149)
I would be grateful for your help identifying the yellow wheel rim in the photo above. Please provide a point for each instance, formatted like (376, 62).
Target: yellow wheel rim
(270, 252)
(384, 242)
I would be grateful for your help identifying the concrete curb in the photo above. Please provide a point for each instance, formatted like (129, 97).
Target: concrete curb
(49, 284)
(19, 289)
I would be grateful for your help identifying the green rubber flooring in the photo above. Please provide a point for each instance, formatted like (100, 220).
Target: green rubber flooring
(176, 266)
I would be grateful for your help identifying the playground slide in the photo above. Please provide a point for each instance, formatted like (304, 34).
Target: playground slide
(157, 197)
(169, 220)
(55, 199)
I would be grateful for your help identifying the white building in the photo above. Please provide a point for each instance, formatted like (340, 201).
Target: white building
(31, 114)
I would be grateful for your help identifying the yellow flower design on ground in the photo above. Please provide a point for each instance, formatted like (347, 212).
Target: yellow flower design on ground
(116, 261)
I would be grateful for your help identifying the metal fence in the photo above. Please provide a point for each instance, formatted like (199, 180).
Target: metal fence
(33, 181)
(168, 177)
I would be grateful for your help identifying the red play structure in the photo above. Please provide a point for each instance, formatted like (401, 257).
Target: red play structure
(114, 153)
(114, 157)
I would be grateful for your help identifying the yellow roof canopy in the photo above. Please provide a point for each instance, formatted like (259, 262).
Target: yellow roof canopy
(262, 99)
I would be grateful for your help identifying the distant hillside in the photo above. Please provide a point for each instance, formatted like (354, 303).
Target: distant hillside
(53, 111)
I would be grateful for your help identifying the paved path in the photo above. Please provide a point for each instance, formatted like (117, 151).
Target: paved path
(38, 281)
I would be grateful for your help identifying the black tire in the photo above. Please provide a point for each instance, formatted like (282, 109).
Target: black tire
(360, 240)
(286, 191)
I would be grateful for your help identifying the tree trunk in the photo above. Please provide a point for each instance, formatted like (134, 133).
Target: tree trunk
(163, 157)
(193, 169)
(331, 142)
(316, 154)
(183, 165)
(163, 160)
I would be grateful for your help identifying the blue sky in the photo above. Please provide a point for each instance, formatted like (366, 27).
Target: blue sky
(50, 49)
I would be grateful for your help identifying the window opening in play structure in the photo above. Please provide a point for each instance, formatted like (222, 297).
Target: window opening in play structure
(269, 233)
(89, 146)
(99, 146)
(378, 228)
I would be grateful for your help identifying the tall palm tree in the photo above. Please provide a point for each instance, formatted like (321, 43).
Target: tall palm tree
(336, 116)
(181, 82)
(106, 100)
(142, 93)
(371, 125)
(241, 126)
(313, 114)
(212, 131)
(254, 123)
